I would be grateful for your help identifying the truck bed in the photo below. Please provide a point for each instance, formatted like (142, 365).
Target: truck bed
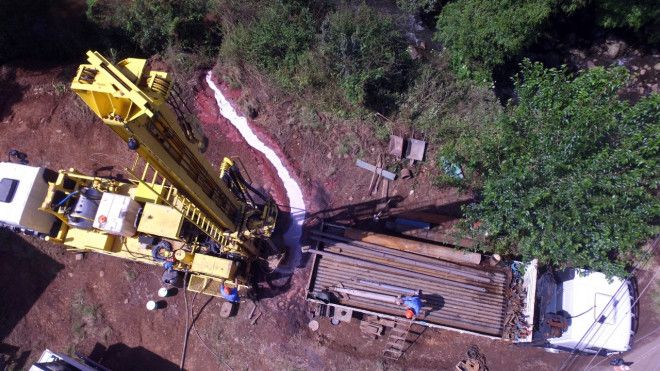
(463, 297)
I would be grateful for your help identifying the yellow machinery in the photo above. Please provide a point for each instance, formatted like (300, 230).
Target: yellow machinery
(175, 210)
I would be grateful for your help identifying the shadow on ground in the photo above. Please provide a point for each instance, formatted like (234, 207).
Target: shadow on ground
(120, 356)
(24, 276)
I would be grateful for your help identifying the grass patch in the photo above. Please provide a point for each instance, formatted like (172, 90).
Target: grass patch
(86, 320)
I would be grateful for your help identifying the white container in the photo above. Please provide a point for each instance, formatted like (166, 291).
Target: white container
(116, 215)
(153, 305)
(164, 292)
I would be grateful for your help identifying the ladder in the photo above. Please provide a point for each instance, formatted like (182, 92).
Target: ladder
(398, 340)
(170, 195)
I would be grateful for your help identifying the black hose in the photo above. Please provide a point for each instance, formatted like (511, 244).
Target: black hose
(185, 337)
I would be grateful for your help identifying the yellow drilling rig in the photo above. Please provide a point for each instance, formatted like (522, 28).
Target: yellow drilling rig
(174, 209)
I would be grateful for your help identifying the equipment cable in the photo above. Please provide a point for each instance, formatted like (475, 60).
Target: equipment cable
(194, 327)
(185, 337)
(583, 313)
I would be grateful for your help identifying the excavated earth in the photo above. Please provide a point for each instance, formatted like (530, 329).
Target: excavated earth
(96, 305)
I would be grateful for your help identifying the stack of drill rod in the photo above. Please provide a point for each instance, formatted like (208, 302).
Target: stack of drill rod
(368, 276)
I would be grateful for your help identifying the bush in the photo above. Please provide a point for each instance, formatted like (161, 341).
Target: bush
(414, 6)
(642, 16)
(483, 34)
(448, 110)
(278, 42)
(570, 172)
(366, 54)
(156, 25)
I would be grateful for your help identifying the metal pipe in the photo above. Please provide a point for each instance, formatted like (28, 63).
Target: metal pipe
(461, 324)
(365, 263)
(444, 302)
(328, 267)
(431, 270)
(400, 289)
(447, 307)
(330, 238)
(366, 294)
(394, 258)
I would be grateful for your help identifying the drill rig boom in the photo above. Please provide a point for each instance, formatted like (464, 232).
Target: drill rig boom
(175, 210)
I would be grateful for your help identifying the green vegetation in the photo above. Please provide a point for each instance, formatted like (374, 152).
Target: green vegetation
(642, 16)
(156, 25)
(448, 111)
(483, 34)
(566, 173)
(366, 54)
(354, 49)
(569, 172)
(424, 6)
(277, 42)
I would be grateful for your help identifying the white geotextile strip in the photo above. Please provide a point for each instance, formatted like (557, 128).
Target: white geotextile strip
(293, 191)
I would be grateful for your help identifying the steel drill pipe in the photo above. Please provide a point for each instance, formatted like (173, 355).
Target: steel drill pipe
(441, 301)
(452, 322)
(411, 264)
(365, 263)
(447, 307)
(490, 288)
(329, 239)
(412, 261)
(426, 286)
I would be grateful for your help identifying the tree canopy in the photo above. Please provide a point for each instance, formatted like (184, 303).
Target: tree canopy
(570, 172)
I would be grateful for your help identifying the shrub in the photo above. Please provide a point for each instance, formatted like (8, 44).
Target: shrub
(642, 16)
(449, 111)
(367, 55)
(483, 34)
(278, 42)
(414, 6)
(156, 25)
(570, 172)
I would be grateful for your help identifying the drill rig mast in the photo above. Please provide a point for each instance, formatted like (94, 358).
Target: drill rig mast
(175, 210)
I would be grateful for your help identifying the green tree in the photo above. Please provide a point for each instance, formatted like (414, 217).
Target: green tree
(570, 172)
(366, 54)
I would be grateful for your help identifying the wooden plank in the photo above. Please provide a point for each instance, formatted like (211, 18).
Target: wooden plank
(416, 247)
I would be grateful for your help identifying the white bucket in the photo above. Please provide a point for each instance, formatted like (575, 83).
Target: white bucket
(164, 292)
(153, 305)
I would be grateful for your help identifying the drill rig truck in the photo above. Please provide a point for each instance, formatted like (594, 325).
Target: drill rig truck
(174, 209)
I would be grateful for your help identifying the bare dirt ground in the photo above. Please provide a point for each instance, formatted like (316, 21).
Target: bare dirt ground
(50, 300)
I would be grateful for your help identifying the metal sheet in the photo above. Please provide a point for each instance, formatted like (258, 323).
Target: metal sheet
(415, 149)
(384, 173)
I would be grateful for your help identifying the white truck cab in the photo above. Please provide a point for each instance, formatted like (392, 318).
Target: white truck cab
(22, 190)
(580, 310)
